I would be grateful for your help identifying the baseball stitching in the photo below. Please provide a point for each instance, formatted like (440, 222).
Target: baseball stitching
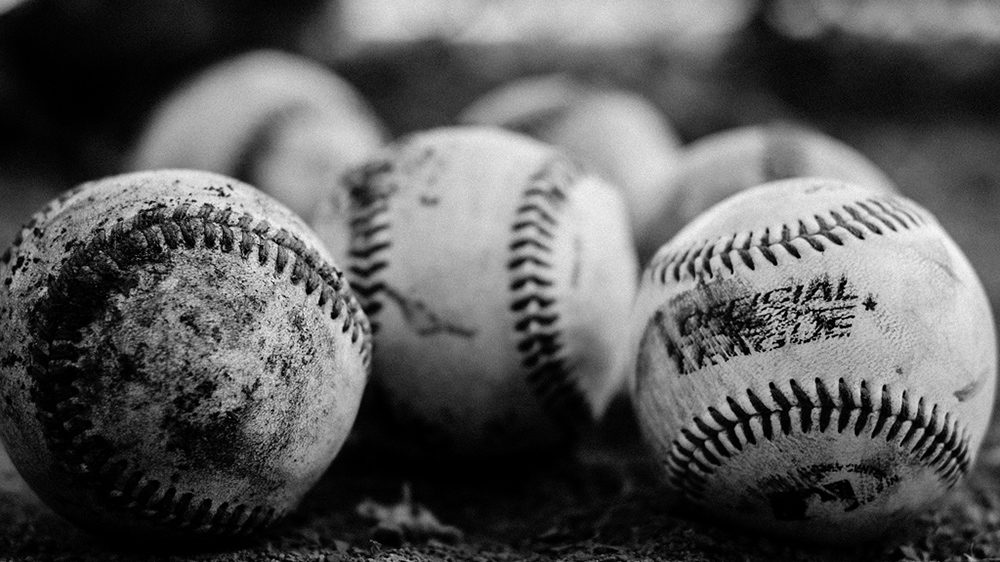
(943, 444)
(371, 238)
(857, 219)
(694, 456)
(151, 233)
(540, 344)
(536, 325)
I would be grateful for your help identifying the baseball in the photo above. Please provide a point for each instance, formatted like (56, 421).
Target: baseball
(498, 279)
(181, 358)
(720, 165)
(277, 121)
(813, 359)
(618, 134)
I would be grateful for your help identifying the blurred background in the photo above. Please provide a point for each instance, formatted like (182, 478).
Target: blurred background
(913, 85)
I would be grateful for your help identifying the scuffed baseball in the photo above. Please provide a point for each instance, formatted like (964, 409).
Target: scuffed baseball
(615, 133)
(280, 122)
(181, 358)
(723, 164)
(813, 359)
(498, 279)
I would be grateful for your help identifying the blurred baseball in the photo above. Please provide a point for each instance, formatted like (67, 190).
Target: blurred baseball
(277, 121)
(813, 359)
(181, 357)
(498, 278)
(720, 165)
(617, 134)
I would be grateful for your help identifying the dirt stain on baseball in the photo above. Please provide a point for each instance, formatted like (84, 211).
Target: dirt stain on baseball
(424, 321)
(970, 390)
(845, 487)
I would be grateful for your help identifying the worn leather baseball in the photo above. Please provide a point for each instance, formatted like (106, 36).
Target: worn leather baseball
(275, 120)
(814, 359)
(720, 165)
(498, 279)
(181, 358)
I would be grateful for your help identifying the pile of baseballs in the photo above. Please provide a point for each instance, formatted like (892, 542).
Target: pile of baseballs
(807, 351)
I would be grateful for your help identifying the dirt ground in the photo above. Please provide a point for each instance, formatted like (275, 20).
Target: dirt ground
(602, 501)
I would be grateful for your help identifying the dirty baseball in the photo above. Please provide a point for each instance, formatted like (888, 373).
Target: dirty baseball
(181, 356)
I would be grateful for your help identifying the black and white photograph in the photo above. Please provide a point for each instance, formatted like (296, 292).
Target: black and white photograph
(499, 280)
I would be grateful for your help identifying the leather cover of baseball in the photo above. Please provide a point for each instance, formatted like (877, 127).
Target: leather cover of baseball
(181, 358)
(498, 279)
(813, 359)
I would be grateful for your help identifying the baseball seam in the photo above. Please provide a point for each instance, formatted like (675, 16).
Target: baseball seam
(708, 440)
(933, 439)
(534, 300)
(54, 367)
(371, 238)
(875, 215)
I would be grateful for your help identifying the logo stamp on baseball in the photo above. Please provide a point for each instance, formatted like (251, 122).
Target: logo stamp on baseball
(717, 324)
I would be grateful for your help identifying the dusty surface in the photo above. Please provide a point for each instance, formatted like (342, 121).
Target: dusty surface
(603, 502)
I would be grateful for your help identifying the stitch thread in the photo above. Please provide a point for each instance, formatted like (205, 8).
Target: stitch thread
(933, 439)
(875, 215)
(550, 372)
(107, 257)
(370, 239)
(534, 227)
